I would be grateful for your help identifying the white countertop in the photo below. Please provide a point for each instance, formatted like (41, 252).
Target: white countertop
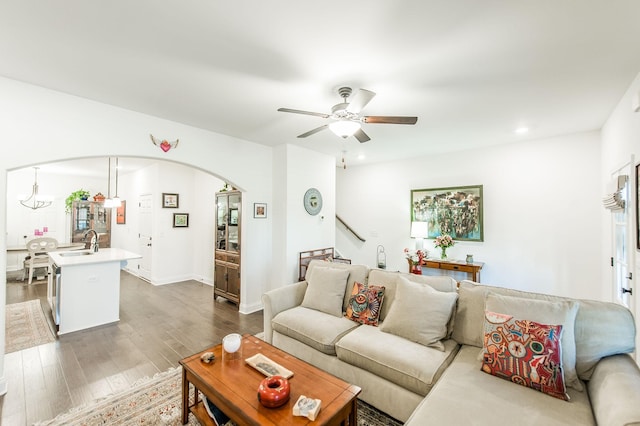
(102, 256)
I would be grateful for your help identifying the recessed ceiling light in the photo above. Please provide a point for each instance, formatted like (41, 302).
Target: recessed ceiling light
(361, 157)
(521, 130)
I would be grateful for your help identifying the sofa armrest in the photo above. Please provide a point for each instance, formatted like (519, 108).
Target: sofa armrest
(278, 300)
(614, 390)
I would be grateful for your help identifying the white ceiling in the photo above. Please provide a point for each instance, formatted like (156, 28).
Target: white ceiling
(472, 71)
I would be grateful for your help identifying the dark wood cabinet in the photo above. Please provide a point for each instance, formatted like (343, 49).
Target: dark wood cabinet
(226, 277)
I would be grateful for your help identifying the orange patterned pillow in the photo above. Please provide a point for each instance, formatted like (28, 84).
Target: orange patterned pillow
(524, 352)
(364, 303)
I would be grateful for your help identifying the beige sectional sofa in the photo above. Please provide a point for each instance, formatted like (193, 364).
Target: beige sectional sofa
(406, 373)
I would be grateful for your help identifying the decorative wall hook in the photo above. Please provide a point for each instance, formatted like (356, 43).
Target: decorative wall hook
(164, 144)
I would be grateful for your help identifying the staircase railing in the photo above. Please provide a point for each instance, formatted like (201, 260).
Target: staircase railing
(350, 229)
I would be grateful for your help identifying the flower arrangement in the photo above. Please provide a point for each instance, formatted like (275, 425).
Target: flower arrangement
(414, 258)
(443, 241)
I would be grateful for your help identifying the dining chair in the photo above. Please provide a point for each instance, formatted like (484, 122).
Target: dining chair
(38, 256)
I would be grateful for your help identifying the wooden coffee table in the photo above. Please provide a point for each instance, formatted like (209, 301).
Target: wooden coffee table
(233, 387)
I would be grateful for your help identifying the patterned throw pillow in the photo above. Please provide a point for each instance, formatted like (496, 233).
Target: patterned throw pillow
(365, 303)
(524, 352)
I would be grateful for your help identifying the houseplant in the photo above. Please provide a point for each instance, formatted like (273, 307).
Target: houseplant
(81, 194)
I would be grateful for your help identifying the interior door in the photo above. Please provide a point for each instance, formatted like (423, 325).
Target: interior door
(623, 238)
(145, 231)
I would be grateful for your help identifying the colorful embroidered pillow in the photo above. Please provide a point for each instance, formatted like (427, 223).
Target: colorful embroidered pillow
(365, 303)
(524, 352)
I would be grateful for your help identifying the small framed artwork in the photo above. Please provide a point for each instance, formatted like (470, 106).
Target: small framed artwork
(260, 210)
(170, 201)
(181, 220)
(121, 213)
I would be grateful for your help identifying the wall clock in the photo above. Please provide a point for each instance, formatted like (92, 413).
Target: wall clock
(312, 201)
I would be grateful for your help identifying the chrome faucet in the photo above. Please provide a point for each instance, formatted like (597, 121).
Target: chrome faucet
(94, 240)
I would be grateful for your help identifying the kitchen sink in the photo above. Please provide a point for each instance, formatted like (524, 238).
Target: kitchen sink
(76, 253)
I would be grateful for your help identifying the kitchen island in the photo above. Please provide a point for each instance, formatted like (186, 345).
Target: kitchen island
(85, 289)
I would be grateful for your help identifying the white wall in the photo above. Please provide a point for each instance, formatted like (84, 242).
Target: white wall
(22, 222)
(294, 229)
(620, 140)
(178, 253)
(542, 212)
(42, 126)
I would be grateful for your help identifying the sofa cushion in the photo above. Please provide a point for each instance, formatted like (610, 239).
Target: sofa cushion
(464, 395)
(408, 364)
(420, 313)
(314, 328)
(325, 290)
(365, 303)
(561, 312)
(524, 352)
(357, 273)
(601, 328)
(389, 280)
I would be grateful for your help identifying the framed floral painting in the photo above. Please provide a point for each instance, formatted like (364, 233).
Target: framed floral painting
(456, 211)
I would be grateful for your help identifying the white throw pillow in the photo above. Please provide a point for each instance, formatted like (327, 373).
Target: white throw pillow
(419, 313)
(325, 290)
(546, 312)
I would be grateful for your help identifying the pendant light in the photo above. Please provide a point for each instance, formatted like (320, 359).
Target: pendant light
(36, 201)
(116, 202)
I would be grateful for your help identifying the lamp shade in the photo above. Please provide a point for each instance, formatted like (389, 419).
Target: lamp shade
(419, 230)
(344, 128)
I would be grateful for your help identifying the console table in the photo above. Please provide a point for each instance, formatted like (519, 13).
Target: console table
(472, 269)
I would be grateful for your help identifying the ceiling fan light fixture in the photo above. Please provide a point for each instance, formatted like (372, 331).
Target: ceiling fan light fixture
(344, 128)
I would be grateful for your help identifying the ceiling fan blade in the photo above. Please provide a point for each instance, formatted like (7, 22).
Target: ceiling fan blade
(360, 100)
(361, 136)
(381, 119)
(314, 131)
(298, 111)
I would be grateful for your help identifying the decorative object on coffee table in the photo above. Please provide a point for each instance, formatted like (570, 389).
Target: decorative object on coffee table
(307, 407)
(267, 367)
(274, 391)
(232, 347)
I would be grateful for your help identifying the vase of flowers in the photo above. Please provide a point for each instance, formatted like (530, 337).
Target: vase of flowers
(444, 241)
(415, 260)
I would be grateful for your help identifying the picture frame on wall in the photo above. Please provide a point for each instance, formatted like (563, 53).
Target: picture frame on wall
(260, 210)
(456, 211)
(170, 201)
(181, 220)
(121, 213)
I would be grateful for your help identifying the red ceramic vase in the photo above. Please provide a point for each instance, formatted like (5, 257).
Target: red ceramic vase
(273, 391)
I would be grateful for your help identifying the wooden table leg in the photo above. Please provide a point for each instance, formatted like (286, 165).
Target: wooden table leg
(353, 415)
(185, 397)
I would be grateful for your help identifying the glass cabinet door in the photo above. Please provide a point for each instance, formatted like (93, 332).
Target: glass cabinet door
(234, 220)
(100, 218)
(82, 217)
(221, 231)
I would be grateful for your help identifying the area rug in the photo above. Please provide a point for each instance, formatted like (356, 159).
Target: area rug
(26, 326)
(158, 401)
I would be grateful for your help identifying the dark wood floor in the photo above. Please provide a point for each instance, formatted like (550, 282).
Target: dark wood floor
(158, 326)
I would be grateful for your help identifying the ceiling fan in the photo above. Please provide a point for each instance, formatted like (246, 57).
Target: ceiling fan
(346, 116)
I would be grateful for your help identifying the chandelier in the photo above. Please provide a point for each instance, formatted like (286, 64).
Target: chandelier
(36, 201)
